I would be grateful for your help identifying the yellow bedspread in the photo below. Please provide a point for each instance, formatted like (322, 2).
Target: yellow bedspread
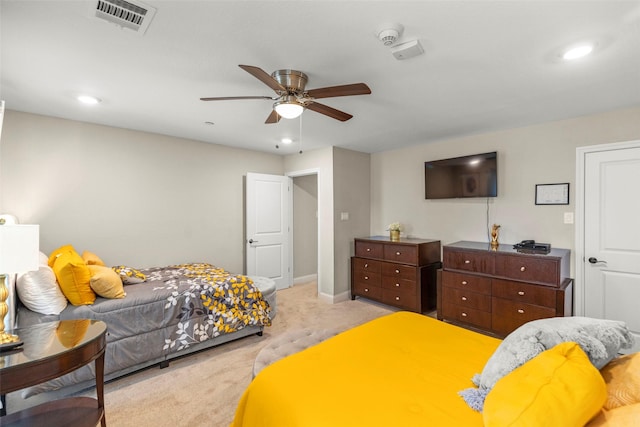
(403, 369)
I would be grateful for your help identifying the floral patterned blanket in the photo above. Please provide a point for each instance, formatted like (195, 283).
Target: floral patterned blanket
(207, 301)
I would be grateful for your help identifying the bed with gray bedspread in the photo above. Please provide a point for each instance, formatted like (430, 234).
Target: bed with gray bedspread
(177, 310)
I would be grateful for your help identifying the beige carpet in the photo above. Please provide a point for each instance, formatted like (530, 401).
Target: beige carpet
(203, 389)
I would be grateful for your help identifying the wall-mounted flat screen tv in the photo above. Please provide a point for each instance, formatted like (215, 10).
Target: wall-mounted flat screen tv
(460, 177)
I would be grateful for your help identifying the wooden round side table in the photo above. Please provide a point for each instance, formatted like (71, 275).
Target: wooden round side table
(51, 350)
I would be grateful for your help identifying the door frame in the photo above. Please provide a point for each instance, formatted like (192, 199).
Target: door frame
(305, 172)
(581, 157)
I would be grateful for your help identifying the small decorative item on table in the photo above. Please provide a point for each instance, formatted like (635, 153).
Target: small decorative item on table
(494, 236)
(394, 231)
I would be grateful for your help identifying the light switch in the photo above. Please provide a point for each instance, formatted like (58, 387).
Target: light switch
(344, 216)
(568, 217)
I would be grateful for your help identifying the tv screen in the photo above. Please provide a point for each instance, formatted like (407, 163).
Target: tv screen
(459, 177)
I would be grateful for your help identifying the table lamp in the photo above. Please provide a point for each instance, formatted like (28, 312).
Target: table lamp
(19, 253)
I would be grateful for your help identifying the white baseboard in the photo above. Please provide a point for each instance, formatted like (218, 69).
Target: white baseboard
(334, 299)
(305, 279)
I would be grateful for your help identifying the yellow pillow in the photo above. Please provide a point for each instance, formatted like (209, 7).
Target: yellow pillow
(106, 282)
(622, 376)
(559, 386)
(71, 332)
(74, 278)
(92, 259)
(55, 254)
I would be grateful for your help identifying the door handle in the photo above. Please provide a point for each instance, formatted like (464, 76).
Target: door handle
(252, 241)
(594, 260)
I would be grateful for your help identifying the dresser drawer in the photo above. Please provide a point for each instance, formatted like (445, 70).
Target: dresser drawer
(467, 281)
(365, 290)
(398, 284)
(476, 261)
(467, 299)
(398, 271)
(530, 269)
(369, 249)
(522, 292)
(402, 299)
(370, 279)
(508, 315)
(479, 318)
(366, 265)
(401, 253)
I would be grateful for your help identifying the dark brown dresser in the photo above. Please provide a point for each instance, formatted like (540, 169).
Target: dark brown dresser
(497, 290)
(399, 273)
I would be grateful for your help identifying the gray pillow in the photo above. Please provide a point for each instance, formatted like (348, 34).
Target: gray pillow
(599, 338)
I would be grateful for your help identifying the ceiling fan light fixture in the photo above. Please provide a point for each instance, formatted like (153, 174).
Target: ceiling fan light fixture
(289, 107)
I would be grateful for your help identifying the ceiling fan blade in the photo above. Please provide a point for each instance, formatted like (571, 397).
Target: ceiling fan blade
(264, 77)
(329, 111)
(274, 117)
(344, 90)
(229, 98)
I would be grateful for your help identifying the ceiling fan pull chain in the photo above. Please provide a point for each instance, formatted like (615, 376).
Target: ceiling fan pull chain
(300, 136)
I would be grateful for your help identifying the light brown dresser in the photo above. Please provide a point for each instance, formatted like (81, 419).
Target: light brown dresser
(399, 273)
(499, 290)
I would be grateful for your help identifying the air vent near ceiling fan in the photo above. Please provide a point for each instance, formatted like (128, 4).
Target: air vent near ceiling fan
(132, 14)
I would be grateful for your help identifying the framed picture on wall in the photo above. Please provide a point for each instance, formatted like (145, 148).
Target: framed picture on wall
(552, 194)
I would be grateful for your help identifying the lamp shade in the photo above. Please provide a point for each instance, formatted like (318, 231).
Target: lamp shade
(19, 248)
(289, 107)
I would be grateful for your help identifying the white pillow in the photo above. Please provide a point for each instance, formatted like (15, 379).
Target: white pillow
(39, 291)
(44, 259)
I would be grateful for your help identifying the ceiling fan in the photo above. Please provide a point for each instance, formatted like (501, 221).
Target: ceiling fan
(293, 98)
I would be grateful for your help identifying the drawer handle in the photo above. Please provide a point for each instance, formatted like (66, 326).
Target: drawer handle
(366, 265)
(398, 253)
(366, 289)
(366, 277)
(523, 268)
(397, 271)
(521, 311)
(521, 293)
(464, 314)
(466, 261)
(464, 282)
(368, 249)
(397, 285)
(397, 298)
(464, 298)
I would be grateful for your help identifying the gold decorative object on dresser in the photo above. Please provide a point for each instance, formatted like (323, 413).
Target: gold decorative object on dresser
(399, 273)
(497, 289)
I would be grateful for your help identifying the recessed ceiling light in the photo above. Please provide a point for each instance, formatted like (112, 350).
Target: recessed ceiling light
(286, 140)
(88, 100)
(577, 52)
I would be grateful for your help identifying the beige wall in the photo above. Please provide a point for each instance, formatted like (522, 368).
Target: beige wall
(305, 226)
(527, 156)
(131, 197)
(351, 195)
(144, 199)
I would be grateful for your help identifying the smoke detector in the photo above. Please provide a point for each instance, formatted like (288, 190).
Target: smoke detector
(389, 33)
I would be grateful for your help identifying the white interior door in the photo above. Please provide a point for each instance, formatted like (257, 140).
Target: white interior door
(611, 257)
(268, 217)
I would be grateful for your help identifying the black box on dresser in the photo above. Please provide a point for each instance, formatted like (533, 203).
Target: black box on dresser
(399, 273)
(499, 289)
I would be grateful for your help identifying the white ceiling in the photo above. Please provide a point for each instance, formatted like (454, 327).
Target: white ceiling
(487, 65)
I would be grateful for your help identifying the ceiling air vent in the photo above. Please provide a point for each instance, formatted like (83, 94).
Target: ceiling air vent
(133, 15)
